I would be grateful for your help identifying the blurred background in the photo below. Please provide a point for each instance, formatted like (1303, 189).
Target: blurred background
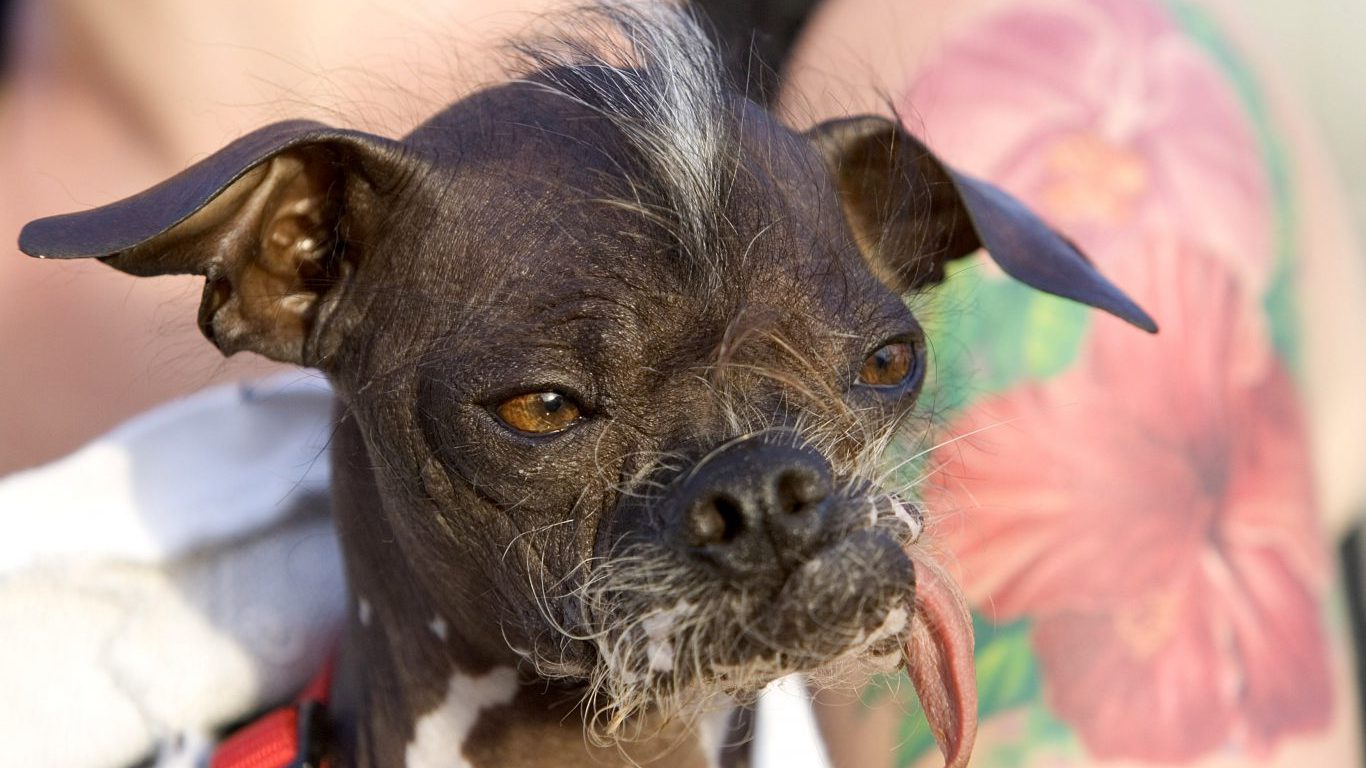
(1313, 45)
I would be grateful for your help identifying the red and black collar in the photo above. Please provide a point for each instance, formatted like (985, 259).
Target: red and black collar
(292, 736)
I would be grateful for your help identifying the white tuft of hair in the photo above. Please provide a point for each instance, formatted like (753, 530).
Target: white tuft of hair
(651, 70)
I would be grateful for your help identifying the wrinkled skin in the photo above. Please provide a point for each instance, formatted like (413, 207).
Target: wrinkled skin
(668, 362)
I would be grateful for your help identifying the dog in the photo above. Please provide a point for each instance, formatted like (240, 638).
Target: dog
(616, 354)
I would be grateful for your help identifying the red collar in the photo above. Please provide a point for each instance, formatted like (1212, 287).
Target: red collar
(288, 737)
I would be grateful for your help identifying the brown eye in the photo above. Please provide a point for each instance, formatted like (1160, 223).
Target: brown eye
(539, 413)
(889, 366)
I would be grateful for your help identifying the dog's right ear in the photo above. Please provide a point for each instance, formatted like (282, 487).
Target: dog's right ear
(275, 222)
(911, 213)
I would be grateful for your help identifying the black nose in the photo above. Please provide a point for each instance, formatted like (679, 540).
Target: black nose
(755, 508)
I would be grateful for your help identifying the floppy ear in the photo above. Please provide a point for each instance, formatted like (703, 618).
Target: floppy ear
(274, 222)
(911, 214)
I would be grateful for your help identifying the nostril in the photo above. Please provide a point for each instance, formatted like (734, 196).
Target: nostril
(732, 517)
(718, 520)
(797, 490)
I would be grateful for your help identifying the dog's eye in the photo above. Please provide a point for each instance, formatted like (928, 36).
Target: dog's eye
(890, 365)
(539, 413)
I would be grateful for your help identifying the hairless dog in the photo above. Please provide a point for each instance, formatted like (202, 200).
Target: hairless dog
(615, 354)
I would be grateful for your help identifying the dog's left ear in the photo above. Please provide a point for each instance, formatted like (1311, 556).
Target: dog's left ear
(911, 213)
(276, 222)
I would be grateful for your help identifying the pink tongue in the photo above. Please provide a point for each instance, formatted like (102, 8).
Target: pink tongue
(939, 659)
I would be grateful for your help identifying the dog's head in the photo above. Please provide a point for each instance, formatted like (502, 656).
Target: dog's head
(624, 353)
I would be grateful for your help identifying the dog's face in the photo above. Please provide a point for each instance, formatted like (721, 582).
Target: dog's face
(623, 351)
(683, 435)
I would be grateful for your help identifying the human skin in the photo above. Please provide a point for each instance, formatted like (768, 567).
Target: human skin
(1145, 526)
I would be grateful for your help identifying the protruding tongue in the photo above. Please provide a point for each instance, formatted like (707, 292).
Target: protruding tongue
(939, 657)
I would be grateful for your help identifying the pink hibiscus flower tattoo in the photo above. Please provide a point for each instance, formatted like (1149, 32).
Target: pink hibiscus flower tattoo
(1107, 119)
(1151, 510)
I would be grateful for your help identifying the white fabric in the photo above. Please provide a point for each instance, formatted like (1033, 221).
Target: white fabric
(216, 465)
(174, 575)
(785, 734)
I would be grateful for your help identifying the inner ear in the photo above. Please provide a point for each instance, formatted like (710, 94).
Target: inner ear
(900, 202)
(276, 242)
(270, 221)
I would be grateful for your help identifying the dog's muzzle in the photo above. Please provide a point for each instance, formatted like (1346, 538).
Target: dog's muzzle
(755, 510)
(768, 559)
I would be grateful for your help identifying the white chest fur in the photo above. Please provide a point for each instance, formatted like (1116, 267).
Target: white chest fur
(439, 739)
